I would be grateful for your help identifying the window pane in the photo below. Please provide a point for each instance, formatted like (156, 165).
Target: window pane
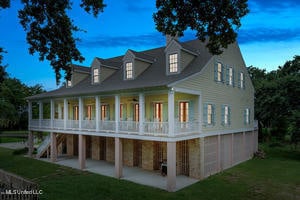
(173, 63)
(129, 70)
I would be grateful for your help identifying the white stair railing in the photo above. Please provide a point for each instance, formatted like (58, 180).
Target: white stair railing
(43, 146)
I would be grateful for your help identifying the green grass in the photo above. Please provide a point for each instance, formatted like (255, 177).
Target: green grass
(11, 139)
(14, 132)
(275, 177)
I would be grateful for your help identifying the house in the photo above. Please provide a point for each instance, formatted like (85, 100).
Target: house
(177, 104)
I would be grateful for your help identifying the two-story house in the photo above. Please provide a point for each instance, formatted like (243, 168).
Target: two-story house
(177, 104)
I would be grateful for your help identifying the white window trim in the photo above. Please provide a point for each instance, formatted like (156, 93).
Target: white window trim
(125, 70)
(69, 81)
(168, 69)
(93, 76)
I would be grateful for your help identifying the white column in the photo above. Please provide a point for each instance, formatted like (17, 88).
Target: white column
(171, 166)
(65, 113)
(142, 112)
(29, 113)
(52, 109)
(40, 113)
(81, 150)
(98, 106)
(117, 112)
(80, 104)
(53, 147)
(171, 113)
(118, 158)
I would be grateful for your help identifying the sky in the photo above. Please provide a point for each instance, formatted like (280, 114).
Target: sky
(269, 36)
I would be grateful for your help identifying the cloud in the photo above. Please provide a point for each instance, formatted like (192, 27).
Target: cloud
(267, 35)
(152, 39)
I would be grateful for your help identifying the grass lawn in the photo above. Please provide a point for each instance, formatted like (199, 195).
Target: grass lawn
(275, 177)
(11, 139)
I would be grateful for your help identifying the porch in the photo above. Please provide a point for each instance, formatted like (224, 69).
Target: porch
(133, 174)
(162, 114)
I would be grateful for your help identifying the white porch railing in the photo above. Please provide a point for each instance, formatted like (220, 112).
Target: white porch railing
(34, 123)
(88, 124)
(73, 124)
(186, 128)
(108, 126)
(125, 127)
(45, 144)
(156, 128)
(58, 123)
(129, 126)
(46, 123)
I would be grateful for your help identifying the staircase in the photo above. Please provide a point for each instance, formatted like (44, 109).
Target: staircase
(42, 149)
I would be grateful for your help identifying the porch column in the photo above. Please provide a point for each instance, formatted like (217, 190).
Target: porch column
(117, 112)
(81, 150)
(171, 113)
(98, 106)
(30, 143)
(80, 104)
(29, 113)
(202, 158)
(53, 147)
(65, 113)
(51, 113)
(118, 158)
(142, 112)
(40, 113)
(171, 166)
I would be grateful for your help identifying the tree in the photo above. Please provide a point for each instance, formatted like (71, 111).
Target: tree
(277, 104)
(213, 19)
(50, 31)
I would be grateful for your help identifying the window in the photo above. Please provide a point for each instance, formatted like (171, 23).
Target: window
(104, 112)
(96, 75)
(247, 116)
(69, 83)
(183, 111)
(173, 63)
(241, 80)
(225, 115)
(75, 113)
(136, 114)
(158, 112)
(129, 70)
(219, 72)
(209, 114)
(230, 76)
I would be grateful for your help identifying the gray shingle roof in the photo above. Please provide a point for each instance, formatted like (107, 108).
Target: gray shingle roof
(153, 76)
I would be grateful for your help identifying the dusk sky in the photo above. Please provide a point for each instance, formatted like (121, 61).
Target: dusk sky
(269, 36)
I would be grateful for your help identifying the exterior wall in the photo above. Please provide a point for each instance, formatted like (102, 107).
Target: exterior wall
(78, 77)
(194, 158)
(220, 93)
(210, 155)
(110, 149)
(226, 151)
(186, 58)
(147, 155)
(95, 147)
(128, 152)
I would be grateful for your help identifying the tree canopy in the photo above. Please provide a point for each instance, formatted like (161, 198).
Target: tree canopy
(277, 104)
(213, 19)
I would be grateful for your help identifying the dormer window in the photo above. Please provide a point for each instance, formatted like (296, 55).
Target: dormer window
(96, 75)
(173, 63)
(69, 83)
(128, 70)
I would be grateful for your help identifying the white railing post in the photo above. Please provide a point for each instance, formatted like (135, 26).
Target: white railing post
(65, 113)
(80, 112)
(51, 113)
(98, 106)
(117, 112)
(171, 119)
(40, 113)
(200, 113)
(142, 112)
